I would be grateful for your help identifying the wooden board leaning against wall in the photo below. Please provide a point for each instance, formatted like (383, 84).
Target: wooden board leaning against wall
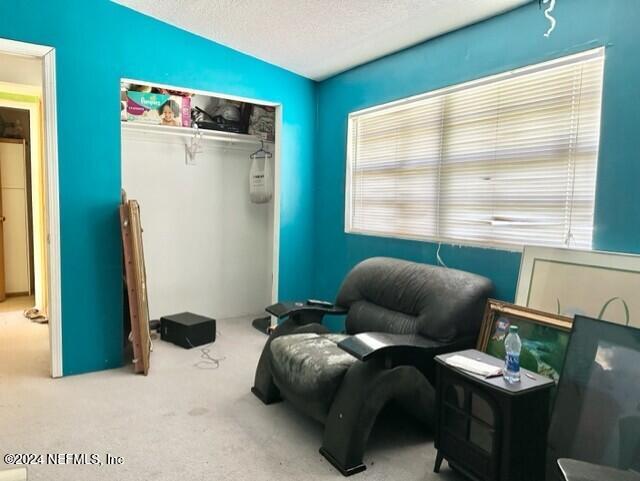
(136, 283)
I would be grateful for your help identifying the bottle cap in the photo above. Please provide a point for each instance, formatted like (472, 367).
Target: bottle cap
(513, 328)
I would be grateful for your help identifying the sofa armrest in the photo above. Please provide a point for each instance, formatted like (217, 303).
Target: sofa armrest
(304, 312)
(372, 345)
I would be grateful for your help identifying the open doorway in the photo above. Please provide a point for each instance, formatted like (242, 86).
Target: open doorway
(17, 276)
(30, 340)
(23, 267)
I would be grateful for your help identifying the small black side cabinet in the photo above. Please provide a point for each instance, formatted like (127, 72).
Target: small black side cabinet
(487, 429)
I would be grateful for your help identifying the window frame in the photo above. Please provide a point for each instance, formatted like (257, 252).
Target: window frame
(597, 52)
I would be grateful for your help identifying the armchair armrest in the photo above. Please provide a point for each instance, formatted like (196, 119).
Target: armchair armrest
(371, 345)
(303, 311)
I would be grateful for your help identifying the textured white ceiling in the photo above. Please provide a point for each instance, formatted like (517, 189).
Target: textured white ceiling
(319, 38)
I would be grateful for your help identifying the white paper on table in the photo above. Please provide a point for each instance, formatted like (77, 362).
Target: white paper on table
(473, 366)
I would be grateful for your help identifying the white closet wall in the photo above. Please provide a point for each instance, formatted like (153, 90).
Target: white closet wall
(208, 249)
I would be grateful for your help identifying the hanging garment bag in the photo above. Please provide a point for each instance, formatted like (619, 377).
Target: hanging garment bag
(260, 182)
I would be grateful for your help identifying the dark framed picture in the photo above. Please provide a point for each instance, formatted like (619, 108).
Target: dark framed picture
(544, 336)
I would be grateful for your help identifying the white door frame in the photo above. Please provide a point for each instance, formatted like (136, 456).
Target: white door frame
(50, 144)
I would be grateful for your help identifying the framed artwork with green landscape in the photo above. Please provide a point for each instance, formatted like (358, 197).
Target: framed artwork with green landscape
(544, 336)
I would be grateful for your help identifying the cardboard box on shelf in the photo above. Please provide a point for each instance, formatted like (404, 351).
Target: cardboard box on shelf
(158, 109)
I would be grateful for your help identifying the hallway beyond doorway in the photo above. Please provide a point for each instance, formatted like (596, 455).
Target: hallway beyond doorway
(24, 345)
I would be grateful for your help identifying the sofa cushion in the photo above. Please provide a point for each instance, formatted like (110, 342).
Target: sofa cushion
(310, 365)
(402, 297)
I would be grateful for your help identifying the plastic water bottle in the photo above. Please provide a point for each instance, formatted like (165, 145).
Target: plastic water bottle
(512, 345)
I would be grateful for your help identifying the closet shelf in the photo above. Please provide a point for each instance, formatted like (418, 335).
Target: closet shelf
(213, 135)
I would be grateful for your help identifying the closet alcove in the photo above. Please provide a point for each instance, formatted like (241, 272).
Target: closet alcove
(208, 248)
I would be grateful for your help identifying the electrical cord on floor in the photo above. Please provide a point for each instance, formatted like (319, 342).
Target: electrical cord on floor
(207, 361)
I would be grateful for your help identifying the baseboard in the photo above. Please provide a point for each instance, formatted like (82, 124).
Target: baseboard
(18, 294)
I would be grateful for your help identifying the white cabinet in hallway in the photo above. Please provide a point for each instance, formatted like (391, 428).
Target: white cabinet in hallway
(13, 180)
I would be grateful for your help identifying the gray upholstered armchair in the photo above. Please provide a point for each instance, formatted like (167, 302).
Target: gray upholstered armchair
(400, 315)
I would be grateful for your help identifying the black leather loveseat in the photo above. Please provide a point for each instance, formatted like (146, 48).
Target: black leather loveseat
(400, 315)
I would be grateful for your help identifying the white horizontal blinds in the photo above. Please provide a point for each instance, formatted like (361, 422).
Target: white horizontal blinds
(394, 170)
(509, 160)
(519, 158)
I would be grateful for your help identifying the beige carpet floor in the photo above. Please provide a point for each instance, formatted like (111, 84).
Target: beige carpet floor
(24, 345)
(15, 304)
(185, 421)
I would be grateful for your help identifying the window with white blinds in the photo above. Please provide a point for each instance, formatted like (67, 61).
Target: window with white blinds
(506, 161)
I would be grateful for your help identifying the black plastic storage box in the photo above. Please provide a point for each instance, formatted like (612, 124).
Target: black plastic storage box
(187, 329)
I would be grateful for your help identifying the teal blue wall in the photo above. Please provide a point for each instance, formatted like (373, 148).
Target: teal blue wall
(98, 42)
(512, 40)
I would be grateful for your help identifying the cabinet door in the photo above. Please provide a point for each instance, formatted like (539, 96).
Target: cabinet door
(455, 417)
(13, 165)
(14, 210)
(16, 259)
(469, 425)
(482, 430)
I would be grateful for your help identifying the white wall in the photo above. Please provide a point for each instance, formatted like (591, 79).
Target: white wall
(208, 249)
(22, 70)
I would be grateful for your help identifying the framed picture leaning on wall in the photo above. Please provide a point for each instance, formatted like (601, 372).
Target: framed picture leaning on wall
(602, 285)
(544, 336)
